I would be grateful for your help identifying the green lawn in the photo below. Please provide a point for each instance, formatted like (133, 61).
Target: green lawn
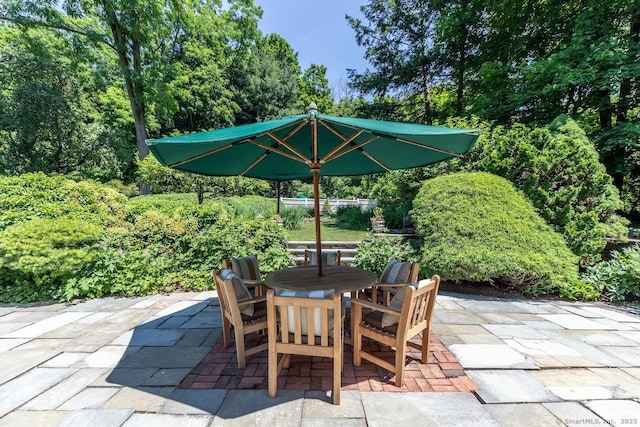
(328, 230)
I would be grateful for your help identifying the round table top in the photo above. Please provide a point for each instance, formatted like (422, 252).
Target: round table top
(338, 277)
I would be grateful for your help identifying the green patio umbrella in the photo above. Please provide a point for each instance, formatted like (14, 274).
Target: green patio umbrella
(309, 146)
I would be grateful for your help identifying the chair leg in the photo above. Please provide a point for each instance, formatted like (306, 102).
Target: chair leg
(356, 336)
(401, 351)
(426, 337)
(273, 370)
(226, 331)
(337, 379)
(239, 333)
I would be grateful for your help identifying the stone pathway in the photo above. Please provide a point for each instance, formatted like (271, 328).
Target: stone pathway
(121, 362)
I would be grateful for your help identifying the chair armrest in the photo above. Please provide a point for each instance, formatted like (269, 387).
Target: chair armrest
(251, 301)
(374, 306)
(389, 285)
(253, 283)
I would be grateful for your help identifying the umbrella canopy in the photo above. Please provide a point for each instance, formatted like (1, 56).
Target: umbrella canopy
(309, 146)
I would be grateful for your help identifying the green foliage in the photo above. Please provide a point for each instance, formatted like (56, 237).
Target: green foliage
(186, 205)
(293, 217)
(559, 171)
(39, 255)
(477, 228)
(618, 278)
(40, 196)
(163, 180)
(375, 252)
(250, 206)
(354, 217)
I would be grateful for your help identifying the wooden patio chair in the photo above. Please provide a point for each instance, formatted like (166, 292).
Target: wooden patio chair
(307, 327)
(329, 257)
(248, 268)
(395, 276)
(409, 314)
(240, 311)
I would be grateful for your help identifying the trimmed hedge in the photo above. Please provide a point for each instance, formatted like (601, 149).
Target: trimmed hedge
(36, 195)
(477, 227)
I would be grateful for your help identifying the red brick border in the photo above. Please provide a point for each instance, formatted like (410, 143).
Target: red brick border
(219, 370)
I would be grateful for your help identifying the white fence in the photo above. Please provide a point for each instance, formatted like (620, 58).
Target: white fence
(334, 204)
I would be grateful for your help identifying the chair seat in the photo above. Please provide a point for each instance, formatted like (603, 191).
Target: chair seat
(375, 319)
(259, 311)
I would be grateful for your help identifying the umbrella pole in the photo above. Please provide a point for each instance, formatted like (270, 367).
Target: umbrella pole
(316, 205)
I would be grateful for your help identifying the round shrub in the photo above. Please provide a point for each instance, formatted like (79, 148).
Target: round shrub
(38, 256)
(619, 278)
(477, 227)
(36, 195)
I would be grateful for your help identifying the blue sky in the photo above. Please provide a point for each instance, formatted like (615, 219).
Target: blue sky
(318, 32)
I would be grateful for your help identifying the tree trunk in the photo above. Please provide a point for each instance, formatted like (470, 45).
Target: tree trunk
(133, 84)
(427, 95)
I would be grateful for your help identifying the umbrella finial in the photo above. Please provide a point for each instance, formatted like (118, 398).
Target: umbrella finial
(313, 110)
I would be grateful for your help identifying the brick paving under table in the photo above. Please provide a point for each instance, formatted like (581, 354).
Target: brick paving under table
(219, 370)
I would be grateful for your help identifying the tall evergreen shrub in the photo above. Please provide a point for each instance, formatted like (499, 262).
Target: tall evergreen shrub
(477, 227)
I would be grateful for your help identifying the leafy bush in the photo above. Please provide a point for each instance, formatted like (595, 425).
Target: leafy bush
(186, 205)
(36, 195)
(557, 167)
(477, 227)
(293, 218)
(559, 170)
(394, 215)
(618, 278)
(354, 217)
(250, 206)
(38, 256)
(375, 252)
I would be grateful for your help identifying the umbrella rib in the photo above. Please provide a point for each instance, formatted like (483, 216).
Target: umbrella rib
(279, 152)
(376, 161)
(344, 143)
(199, 156)
(255, 162)
(428, 147)
(350, 149)
(282, 142)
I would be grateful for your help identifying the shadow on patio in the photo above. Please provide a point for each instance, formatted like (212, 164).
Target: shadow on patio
(179, 361)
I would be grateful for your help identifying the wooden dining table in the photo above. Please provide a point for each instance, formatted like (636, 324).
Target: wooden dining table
(340, 278)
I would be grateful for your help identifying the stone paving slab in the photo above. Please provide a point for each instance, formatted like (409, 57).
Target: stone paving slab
(574, 321)
(43, 326)
(167, 420)
(522, 414)
(256, 408)
(573, 413)
(591, 352)
(510, 386)
(66, 389)
(585, 384)
(20, 390)
(487, 356)
(431, 409)
(14, 363)
(194, 402)
(616, 412)
(140, 400)
(34, 418)
(96, 418)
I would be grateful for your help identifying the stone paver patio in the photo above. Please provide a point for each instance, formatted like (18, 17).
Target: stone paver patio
(142, 362)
